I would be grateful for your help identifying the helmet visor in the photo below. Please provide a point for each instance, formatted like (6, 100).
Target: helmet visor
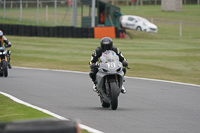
(107, 47)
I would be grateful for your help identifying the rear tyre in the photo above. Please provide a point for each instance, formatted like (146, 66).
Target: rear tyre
(5, 68)
(113, 95)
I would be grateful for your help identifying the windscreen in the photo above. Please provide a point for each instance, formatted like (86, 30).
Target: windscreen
(109, 56)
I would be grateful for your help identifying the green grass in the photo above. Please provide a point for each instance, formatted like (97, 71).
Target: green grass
(174, 59)
(190, 13)
(153, 57)
(168, 22)
(10, 110)
(164, 55)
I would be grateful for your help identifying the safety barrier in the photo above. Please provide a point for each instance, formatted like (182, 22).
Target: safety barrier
(57, 31)
(42, 31)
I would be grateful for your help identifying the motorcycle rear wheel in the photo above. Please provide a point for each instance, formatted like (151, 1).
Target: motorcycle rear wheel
(113, 95)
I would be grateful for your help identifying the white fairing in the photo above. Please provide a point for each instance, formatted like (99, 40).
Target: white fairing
(109, 65)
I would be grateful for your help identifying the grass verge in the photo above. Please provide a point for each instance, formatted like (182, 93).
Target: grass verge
(158, 58)
(11, 111)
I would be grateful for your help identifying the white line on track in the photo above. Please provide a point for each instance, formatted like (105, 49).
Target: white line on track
(62, 118)
(89, 129)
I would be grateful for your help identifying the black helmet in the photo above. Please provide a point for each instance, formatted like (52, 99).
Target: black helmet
(106, 43)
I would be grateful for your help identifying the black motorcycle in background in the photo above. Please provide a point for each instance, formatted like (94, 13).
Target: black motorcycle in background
(3, 62)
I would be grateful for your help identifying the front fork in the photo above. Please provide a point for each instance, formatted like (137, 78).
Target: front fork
(107, 84)
(1, 60)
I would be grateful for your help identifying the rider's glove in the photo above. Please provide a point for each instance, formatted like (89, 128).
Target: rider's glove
(125, 63)
(8, 45)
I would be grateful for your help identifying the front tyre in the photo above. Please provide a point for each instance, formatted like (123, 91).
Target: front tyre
(5, 68)
(113, 95)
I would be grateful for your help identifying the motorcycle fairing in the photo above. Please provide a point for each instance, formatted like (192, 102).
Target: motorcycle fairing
(109, 65)
(3, 53)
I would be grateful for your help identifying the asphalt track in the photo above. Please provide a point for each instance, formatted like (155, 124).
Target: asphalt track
(148, 107)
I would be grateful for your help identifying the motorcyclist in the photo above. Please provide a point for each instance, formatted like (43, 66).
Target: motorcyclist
(4, 41)
(106, 44)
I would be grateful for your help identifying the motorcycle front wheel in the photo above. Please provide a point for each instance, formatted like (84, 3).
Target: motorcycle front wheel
(5, 68)
(113, 95)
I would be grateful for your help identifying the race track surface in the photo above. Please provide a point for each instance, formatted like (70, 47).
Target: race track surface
(148, 107)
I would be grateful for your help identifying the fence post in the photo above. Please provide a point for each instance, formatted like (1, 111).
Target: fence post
(113, 2)
(46, 12)
(55, 6)
(198, 2)
(40, 4)
(27, 4)
(20, 19)
(127, 2)
(37, 11)
(137, 1)
(11, 5)
(132, 4)
(4, 9)
(180, 33)
(184, 2)
(141, 2)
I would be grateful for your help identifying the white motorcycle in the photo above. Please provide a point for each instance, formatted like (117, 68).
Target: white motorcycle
(109, 79)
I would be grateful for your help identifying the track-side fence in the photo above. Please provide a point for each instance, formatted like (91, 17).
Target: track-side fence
(46, 17)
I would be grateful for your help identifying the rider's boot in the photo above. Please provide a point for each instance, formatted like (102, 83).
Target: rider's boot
(9, 65)
(94, 86)
(123, 90)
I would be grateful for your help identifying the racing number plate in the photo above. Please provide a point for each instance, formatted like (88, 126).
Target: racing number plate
(111, 65)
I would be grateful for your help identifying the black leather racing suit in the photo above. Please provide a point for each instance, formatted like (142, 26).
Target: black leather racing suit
(8, 44)
(5, 40)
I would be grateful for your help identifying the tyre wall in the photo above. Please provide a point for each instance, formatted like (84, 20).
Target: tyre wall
(43, 31)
